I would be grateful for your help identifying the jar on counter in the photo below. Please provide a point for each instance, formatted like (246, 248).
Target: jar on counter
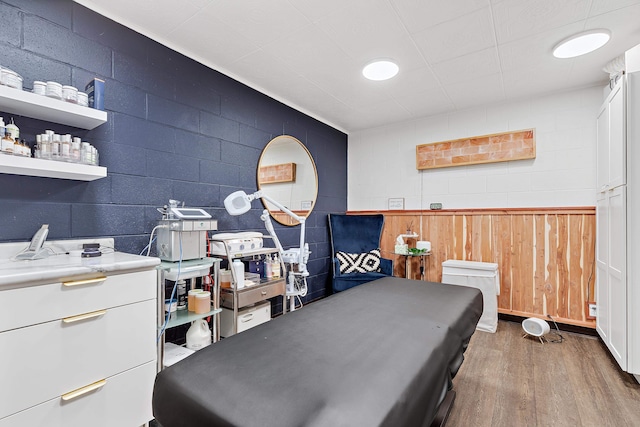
(40, 88)
(54, 90)
(70, 94)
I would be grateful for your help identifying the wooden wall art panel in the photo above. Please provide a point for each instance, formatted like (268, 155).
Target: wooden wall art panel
(285, 172)
(498, 147)
(545, 256)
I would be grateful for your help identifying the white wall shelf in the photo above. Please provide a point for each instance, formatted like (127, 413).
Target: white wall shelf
(17, 165)
(29, 104)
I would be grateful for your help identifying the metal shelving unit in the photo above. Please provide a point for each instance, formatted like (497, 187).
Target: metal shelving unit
(191, 269)
(234, 299)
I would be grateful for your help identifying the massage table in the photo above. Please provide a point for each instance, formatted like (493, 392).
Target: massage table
(379, 354)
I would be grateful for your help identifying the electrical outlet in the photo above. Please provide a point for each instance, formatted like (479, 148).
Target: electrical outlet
(591, 310)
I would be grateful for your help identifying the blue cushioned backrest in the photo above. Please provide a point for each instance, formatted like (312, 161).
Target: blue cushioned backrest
(355, 233)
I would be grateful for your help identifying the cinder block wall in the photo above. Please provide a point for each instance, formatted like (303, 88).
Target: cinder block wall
(176, 129)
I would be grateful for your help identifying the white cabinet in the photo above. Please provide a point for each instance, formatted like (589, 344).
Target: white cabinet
(618, 221)
(79, 351)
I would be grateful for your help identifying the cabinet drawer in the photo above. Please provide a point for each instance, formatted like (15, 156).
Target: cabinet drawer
(53, 358)
(247, 318)
(123, 400)
(38, 304)
(254, 294)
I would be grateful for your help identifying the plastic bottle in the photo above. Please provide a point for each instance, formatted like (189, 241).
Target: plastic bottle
(55, 147)
(2, 129)
(65, 147)
(275, 268)
(13, 130)
(6, 145)
(182, 294)
(268, 272)
(238, 270)
(17, 148)
(44, 146)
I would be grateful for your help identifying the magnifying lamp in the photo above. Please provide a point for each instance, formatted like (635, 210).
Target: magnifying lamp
(239, 202)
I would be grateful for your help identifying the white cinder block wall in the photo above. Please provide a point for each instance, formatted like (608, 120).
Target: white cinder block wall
(382, 161)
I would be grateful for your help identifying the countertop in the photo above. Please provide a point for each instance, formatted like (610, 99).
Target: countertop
(20, 273)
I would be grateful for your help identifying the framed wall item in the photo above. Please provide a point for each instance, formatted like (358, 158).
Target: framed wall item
(285, 172)
(497, 147)
(396, 204)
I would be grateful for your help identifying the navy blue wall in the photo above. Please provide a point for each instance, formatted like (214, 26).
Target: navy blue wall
(176, 129)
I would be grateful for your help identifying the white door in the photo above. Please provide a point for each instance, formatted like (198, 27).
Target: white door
(602, 159)
(617, 131)
(602, 265)
(617, 280)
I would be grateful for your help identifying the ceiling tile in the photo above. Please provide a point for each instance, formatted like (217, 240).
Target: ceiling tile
(418, 15)
(210, 41)
(515, 19)
(523, 82)
(458, 37)
(602, 6)
(315, 10)
(408, 82)
(426, 103)
(260, 21)
(483, 63)
(479, 91)
(145, 14)
(531, 51)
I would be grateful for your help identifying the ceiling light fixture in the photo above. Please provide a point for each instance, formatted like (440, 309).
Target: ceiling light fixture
(383, 69)
(582, 43)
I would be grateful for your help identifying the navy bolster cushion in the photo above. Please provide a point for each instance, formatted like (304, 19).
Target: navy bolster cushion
(359, 263)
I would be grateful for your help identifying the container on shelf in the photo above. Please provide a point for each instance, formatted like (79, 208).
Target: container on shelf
(83, 99)
(10, 78)
(203, 302)
(54, 90)
(70, 94)
(225, 279)
(40, 88)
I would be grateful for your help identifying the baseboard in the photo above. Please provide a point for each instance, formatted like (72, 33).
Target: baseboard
(562, 326)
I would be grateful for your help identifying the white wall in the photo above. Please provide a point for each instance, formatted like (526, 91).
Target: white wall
(382, 161)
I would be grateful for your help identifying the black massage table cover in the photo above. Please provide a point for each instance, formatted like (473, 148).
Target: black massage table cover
(380, 354)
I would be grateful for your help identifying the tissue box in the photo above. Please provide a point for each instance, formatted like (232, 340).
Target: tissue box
(95, 93)
(402, 249)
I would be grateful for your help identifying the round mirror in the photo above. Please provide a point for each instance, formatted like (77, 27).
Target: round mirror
(287, 174)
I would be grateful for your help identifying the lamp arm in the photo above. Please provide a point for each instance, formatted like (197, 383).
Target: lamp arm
(302, 266)
(261, 195)
(266, 218)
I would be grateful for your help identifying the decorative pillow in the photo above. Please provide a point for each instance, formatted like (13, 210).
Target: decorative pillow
(359, 263)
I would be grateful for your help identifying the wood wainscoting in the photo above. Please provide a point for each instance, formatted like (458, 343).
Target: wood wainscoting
(545, 255)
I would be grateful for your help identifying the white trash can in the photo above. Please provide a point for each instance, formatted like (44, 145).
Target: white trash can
(480, 275)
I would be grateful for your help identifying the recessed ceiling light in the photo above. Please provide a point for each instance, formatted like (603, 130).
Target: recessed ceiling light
(380, 70)
(581, 43)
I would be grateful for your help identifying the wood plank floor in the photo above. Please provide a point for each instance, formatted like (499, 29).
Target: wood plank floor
(507, 380)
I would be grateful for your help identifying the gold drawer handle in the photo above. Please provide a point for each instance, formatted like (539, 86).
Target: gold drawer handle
(83, 390)
(84, 282)
(83, 316)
